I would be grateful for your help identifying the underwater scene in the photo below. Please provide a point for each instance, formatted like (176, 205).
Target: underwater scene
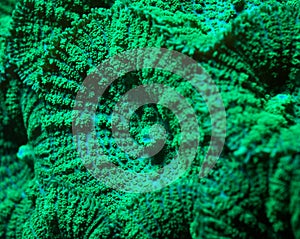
(149, 119)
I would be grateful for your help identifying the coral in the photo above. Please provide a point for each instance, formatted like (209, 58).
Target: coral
(6, 8)
(251, 51)
(15, 174)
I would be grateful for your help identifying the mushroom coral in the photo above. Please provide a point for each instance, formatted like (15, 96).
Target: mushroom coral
(251, 51)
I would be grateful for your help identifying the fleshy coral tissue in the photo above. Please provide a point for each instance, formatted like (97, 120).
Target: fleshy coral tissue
(251, 51)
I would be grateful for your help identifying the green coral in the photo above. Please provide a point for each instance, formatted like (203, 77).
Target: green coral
(6, 9)
(251, 51)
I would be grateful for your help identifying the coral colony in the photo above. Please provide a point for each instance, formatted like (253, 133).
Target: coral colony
(250, 50)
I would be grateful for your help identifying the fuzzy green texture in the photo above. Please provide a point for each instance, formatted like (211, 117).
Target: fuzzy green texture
(6, 9)
(252, 52)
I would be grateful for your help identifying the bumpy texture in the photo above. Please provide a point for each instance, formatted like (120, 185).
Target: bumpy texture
(252, 52)
(6, 9)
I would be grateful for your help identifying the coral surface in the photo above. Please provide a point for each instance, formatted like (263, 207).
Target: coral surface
(250, 49)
